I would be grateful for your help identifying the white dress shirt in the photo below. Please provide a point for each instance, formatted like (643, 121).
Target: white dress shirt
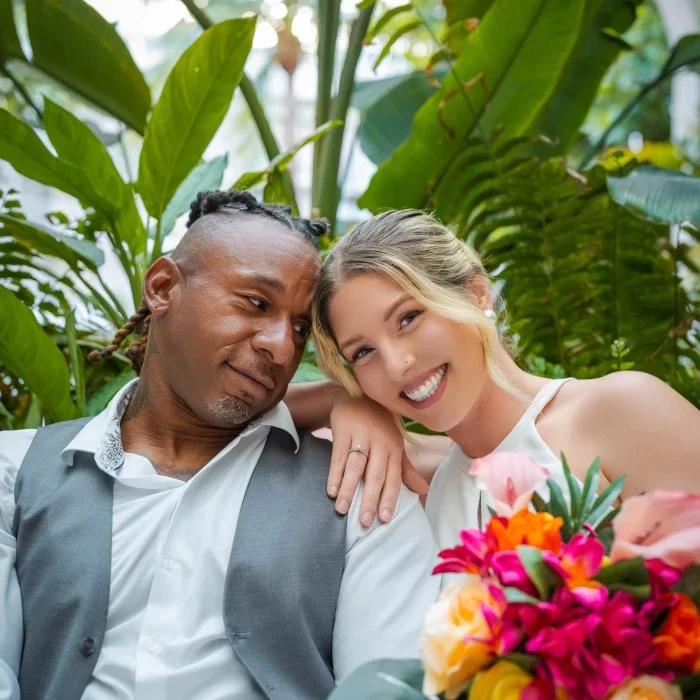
(171, 544)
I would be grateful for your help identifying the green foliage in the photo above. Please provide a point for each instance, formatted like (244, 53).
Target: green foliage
(580, 508)
(387, 679)
(75, 45)
(27, 351)
(570, 296)
(666, 196)
(491, 85)
(194, 101)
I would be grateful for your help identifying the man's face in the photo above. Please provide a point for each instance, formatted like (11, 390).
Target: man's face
(235, 329)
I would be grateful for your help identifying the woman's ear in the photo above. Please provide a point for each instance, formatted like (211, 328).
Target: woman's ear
(159, 283)
(479, 289)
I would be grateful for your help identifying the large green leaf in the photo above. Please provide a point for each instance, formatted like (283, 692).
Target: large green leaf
(75, 45)
(666, 196)
(25, 152)
(597, 47)
(387, 679)
(194, 101)
(27, 351)
(388, 107)
(206, 176)
(508, 70)
(99, 400)
(52, 243)
(686, 53)
(76, 144)
(9, 42)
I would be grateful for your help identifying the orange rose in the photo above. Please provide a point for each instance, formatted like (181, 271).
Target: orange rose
(453, 650)
(539, 530)
(678, 641)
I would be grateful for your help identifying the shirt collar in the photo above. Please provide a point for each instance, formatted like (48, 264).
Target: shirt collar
(102, 437)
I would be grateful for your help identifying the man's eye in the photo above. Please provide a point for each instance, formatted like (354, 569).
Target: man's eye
(301, 329)
(262, 305)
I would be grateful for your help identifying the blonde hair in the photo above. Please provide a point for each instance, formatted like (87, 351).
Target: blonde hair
(422, 256)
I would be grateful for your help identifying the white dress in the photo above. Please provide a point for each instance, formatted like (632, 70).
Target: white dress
(454, 497)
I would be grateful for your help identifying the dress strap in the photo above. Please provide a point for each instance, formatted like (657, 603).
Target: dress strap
(543, 397)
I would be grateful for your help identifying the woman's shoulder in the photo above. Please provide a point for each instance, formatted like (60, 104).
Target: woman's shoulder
(608, 400)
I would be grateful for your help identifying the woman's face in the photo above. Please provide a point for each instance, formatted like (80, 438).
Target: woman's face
(405, 357)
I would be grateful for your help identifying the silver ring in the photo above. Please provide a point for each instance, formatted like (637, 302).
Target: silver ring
(358, 448)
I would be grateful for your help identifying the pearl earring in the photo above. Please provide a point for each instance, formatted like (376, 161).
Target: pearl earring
(490, 313)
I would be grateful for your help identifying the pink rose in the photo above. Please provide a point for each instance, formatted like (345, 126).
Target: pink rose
(659, 525)
(511, 478)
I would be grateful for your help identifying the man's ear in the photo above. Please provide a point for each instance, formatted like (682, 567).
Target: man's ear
(479, 288)
(159, 283)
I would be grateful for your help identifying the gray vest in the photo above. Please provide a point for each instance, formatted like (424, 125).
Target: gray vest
(282, 582)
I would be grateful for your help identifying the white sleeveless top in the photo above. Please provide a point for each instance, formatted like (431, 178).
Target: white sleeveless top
(454, 497)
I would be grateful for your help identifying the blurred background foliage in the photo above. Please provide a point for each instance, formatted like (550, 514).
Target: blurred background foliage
(539, 130)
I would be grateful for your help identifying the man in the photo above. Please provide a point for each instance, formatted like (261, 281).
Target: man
(180, 545)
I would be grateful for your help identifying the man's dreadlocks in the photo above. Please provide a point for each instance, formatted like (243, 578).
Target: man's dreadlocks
(208, 203)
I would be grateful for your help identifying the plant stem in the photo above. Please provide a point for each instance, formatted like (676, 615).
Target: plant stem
(330, 163)
(250, 95)
(328, 21)
(632, 104)
(103, 303)
(157, 243)
(125, 155)
(23, 91)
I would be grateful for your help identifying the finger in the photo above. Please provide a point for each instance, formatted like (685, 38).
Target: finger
(375, 473)
(412, 478)
(341, 448)
(392, 486)
(354, 469)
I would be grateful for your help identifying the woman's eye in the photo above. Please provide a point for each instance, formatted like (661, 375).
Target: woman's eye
(407, 318)
(360, 353)
(301, 329)
(262, 305)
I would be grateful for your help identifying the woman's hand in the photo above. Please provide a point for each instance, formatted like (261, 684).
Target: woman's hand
(363, 423)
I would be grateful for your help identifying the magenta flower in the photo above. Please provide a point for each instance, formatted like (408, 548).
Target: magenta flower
(510, 572)
(470, 557)
(577, 563)
(590, 652)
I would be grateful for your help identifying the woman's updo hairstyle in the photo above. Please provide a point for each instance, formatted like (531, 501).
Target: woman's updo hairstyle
(424, 258)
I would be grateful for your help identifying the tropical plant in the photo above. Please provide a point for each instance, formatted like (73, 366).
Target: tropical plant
(475, 135)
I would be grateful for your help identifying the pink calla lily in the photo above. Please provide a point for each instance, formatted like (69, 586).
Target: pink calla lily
(659, 525)
(511, 478)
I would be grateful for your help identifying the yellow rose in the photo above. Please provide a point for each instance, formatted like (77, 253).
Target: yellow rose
(503, 681)
(450, 661)
(647, 688)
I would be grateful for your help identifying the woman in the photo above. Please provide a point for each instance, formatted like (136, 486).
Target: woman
(404, 316)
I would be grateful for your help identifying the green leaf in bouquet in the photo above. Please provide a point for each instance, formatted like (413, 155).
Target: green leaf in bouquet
(689, 685)
(632, 572)
(526, 661)
(604, 502)
(386, 679)
(515, 595)
(559, 508)
(541, 575)
(690, 583)
(590, 488)
(642, 593)
(539, 504)
(574, 490)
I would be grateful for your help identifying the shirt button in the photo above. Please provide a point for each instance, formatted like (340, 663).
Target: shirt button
(168, 564)
(87, 646)
(152, 648)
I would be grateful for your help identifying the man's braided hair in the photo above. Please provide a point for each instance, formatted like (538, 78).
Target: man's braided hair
(207, 203)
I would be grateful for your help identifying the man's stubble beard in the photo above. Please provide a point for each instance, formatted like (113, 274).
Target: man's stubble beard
(232, 411)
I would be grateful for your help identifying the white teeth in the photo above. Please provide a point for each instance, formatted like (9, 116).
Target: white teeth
(429, 386)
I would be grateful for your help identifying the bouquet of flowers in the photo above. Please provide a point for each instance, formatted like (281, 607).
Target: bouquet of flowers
(570, 599)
